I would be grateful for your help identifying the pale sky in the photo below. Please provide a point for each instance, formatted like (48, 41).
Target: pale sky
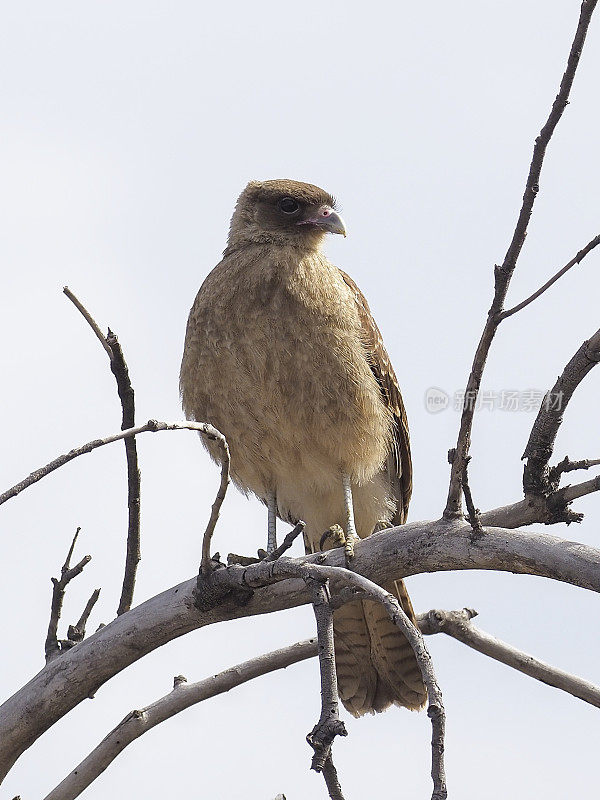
(127, 131)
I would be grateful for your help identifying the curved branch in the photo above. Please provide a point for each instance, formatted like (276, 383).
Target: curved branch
(309, 572)
(504, 273)
(396, 552)
(455, 624)
(215, 510)
(118, 367)
(536, 475)
(89, 319)
(152, 426)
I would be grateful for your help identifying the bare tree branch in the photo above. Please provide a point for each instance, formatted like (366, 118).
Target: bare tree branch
(89, 319)
(205, 564)
(181, 697)
(133, 555)
(503, 273)
(536, 475)
(576, 260)
(458, 625)
(415, 548)
(152, 426)
(76, 633)
(329, 724)
(331, 779)
(569, 493)
(544, 501)
(566, 465)
(53, 647)
(257, 574)
(119, 369)
(287, 542)
(537, 508)
(473, 512)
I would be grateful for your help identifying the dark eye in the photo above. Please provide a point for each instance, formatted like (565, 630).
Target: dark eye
(288, 205)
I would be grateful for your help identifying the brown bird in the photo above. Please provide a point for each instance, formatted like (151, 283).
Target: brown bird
(283, 356)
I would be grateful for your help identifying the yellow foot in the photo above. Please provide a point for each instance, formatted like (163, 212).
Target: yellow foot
(335, 536)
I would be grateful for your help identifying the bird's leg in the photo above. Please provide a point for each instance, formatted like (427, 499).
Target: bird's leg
(351, 535)
(271, 522)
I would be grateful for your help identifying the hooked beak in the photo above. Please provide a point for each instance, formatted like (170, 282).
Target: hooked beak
(325, 218)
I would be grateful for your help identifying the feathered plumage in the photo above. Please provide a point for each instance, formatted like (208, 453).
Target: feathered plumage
(283, 356)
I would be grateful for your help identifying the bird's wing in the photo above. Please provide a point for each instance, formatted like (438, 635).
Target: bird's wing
(399, 465)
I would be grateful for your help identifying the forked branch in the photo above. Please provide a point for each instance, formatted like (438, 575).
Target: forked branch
(538, 479)
(456, 624)
(53, 646)
(504, 273)
(575, 260)
(284, 568)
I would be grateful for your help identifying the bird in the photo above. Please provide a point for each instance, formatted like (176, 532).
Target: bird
(283, 356)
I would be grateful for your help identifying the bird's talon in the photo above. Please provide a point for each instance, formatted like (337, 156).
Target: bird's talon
(381, 525)
(336, 534)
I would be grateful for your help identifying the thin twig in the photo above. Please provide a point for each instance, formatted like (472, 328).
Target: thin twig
(472, 511)
(152, 426)
(457, 624)
(89, 319)
(76, 633)
(287, 542)
(537, 474)
(52, 646)
(504, 273)
(576, 260)
(205, 564)
(118, 367)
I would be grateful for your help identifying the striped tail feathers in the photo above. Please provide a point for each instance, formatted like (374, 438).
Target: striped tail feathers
(376, 666)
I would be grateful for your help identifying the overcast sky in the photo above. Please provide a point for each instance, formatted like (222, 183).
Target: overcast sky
(128, 129)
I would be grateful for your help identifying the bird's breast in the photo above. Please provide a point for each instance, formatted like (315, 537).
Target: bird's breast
(274, 359)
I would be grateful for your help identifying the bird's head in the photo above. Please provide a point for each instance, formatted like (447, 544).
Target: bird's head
(284, 212)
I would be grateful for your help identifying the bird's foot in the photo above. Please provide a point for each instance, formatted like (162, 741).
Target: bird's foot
(381, 525)
(335, 534)
(338, 537)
